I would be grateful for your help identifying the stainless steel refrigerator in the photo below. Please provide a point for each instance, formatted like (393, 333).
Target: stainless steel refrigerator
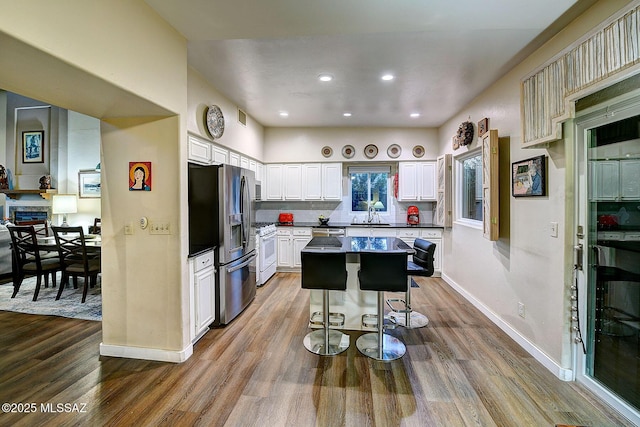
(231, 193)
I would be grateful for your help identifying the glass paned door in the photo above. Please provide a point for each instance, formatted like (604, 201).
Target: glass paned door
(612, 243)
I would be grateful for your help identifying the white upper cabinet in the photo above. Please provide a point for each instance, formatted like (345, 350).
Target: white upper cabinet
(630, 179)
(274, 185)
(199, 151)
(293, 182)
(332, 181)
(312, 181)
(614, 180)
(234, 159)
(417, 181)
(220, 155)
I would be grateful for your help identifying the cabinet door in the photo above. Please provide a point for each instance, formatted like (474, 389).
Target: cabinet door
(630, 179)
(427, 180)
(234, 158)
(199, 151)
(204, 281)
(284, 251)
(293, 182)
(606, 178)
(332, 181)
(312, 181)
(298, 244)
(244, 162)
(274, 182)
(407, 181)
(220, 156)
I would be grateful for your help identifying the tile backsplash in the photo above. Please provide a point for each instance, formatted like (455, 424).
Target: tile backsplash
(340, 212)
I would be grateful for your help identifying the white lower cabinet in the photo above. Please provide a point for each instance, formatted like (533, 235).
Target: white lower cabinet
(202, 275)
(291, 241)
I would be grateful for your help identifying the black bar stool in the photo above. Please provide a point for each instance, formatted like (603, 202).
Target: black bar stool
(422, 265)
(380, 272)
(325, 271)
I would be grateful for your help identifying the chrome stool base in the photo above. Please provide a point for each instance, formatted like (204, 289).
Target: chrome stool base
(317, 342)
(392, 348)
(416, 320)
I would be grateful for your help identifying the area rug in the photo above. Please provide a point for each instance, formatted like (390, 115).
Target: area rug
(69, 304)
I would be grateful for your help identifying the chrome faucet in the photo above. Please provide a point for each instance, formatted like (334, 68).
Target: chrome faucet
(371, 213)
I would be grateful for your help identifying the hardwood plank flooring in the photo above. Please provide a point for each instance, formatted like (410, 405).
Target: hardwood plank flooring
(460, 370)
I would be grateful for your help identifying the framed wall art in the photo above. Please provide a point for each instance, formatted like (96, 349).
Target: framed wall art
(89, 184)
(139, 176)
(528, 177)
(33, 146)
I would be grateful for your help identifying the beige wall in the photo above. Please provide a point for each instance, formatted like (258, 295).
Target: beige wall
(526, 265)
(106, 59)
(244, 139)
(305, 144)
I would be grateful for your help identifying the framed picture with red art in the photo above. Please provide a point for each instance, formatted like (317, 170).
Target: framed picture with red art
(140, 177)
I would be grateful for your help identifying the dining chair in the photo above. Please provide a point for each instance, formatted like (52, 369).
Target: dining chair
(41, 226)
(75, 259)
(28, 258)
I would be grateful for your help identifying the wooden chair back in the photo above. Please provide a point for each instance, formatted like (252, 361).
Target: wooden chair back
(40, 226)
(96, 228)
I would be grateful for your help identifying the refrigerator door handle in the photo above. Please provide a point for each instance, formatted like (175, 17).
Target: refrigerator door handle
(244, 264)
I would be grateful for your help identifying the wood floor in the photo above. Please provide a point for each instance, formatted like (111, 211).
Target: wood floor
(460, 370)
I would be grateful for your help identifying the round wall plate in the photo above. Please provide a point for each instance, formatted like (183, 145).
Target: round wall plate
(326, 151)
(214, 121)
(370, 151)
(348, 151)
(418, 151)
(394, 151)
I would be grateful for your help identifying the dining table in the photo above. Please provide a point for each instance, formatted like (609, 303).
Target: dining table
(356, 305)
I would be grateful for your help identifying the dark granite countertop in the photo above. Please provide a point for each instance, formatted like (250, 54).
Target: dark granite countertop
(354, 245)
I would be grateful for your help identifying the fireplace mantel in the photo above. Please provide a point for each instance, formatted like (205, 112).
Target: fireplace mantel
(16, 194)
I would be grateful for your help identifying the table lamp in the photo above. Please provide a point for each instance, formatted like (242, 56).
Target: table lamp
(378, 205)
(64, 204)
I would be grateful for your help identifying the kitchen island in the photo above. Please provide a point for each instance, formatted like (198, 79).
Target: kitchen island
(353, 302)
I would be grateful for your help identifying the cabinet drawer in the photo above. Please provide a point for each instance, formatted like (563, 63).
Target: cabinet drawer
(281, 231)
(435, 234)
(412, 233)
(302, 232)
(632, 236)
(203, 261)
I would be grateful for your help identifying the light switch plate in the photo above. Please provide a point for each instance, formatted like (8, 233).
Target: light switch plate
(553, 229)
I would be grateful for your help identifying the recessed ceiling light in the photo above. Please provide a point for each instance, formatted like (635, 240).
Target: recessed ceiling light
(387, 77)
(346, 114)
(325, 77)
(284, 114)
(414, 115)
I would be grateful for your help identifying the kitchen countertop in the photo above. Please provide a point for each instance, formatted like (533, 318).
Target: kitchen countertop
(354, 245)
(346, 224)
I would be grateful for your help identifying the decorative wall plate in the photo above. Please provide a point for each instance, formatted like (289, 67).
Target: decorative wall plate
(214, 121)
(348, 151)
(418, 151)
(394, 151)
(370, 151)
(326, 151)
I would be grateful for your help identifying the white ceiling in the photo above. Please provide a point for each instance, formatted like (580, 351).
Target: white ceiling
(265, 56)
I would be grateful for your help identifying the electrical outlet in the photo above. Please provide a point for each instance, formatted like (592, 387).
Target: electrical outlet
(521, 310)
(160, 228)
(553, 229)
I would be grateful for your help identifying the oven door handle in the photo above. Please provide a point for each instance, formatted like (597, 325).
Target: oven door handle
(244, 264)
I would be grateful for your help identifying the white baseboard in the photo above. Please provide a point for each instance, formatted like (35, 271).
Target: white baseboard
(146, 353)
(563, 374)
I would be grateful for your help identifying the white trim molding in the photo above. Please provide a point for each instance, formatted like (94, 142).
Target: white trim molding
(146, 353)
(563, 374)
